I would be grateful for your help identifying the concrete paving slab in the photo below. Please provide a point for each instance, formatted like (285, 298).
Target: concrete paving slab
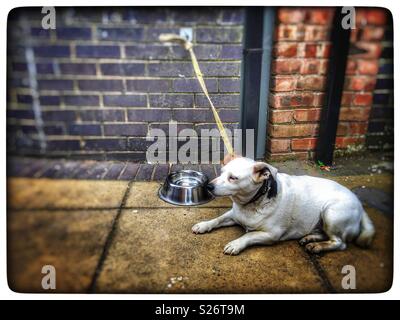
(71, 241)
(373, 266)
(154, 251)
(145, 195)
(25, 193)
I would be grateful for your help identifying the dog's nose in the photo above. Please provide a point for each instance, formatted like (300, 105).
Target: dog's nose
(210, 187)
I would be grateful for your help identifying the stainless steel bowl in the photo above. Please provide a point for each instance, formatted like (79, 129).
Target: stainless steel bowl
(185, 188)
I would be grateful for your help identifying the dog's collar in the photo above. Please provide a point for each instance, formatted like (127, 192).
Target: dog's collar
(264, 189)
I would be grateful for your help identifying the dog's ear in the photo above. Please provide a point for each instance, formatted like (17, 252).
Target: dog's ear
(262, 171)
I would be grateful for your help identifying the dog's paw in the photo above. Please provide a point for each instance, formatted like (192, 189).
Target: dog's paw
(303, 241)
(314, 247)
(233, 248)
(201, 227)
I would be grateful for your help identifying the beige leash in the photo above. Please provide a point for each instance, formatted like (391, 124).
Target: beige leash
(189, 47)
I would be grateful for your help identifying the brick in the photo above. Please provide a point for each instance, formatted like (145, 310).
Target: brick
(131, 100)
(122, 69)
(145, 172)
(193, 115)
(171, 100)
(283, 83)
(133, 129)
(359, 83)
(311, 66)
(372, 33)
(120, 34)
(377, 16)
(231, 52)
(78, 68)
(150, 115)
(351, 128)
(220, 69)
(81, 100)
(192, 85)
(52, 51)
(304, 144)
(368, 67)
(84, 129)
(160, 172)
(139, 144)
(100, 85)
(289, 32)
(108, 144)
(232, 16)
(53, 130)
(347, 98)
(59, 115)
(296, 130)
(362, 99)
(219, 34)
(344, 142)
(20, 114)
(351, 66)
(278, 145)
(170, 69)
(102, 115)
(289, 16)
(322, 16)
(229, 85)
(129, 172)
(285, 50)
(114, 171)
(316, 83)
(44, 100)
(62, 145)
(73, 33)
(55, 84)
(307, 115)
(147, 51)
(219, 100)
(40, 33)
(41, 68)
(281, 116)
(148, 85)
(310, 50)
(316, 33)
(354, 114)
(286, 66)
(97, 51)
(384, 83)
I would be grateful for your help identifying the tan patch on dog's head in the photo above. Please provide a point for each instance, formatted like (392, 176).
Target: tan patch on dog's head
(229, 157)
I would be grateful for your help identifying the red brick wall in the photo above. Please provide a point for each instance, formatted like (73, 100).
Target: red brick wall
(301, 57)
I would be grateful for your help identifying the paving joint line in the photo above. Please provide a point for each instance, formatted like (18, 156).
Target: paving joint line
(327, 285)
(109, 241)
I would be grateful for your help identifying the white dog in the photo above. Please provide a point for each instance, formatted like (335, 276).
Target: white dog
(274, 206)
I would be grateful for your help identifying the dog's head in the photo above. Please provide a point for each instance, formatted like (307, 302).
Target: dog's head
(242, 177)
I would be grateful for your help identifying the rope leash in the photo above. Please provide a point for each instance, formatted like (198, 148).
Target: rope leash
(189, 47)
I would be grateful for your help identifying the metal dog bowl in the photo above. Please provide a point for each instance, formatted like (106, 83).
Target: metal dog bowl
(185, 188)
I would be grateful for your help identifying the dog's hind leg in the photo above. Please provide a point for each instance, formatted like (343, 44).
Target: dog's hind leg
(334, 243)
(314, 236)
(224, 220)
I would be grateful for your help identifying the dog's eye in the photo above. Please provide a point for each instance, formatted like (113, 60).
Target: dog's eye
(232, 178)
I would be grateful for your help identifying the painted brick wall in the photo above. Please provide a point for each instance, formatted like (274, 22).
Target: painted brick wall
(104, 80)
(301, 57)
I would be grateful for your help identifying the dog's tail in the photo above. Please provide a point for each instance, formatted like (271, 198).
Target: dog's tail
(367, 232)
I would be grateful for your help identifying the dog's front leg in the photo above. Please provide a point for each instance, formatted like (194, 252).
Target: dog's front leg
(249, 239)
(224, 220)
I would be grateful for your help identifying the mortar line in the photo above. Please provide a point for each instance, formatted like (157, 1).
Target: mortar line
(109, 241)
(327, 285)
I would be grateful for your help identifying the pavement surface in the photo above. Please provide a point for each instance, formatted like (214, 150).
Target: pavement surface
(117, 236)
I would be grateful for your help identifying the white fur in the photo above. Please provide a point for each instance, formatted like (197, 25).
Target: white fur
(307, 208)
